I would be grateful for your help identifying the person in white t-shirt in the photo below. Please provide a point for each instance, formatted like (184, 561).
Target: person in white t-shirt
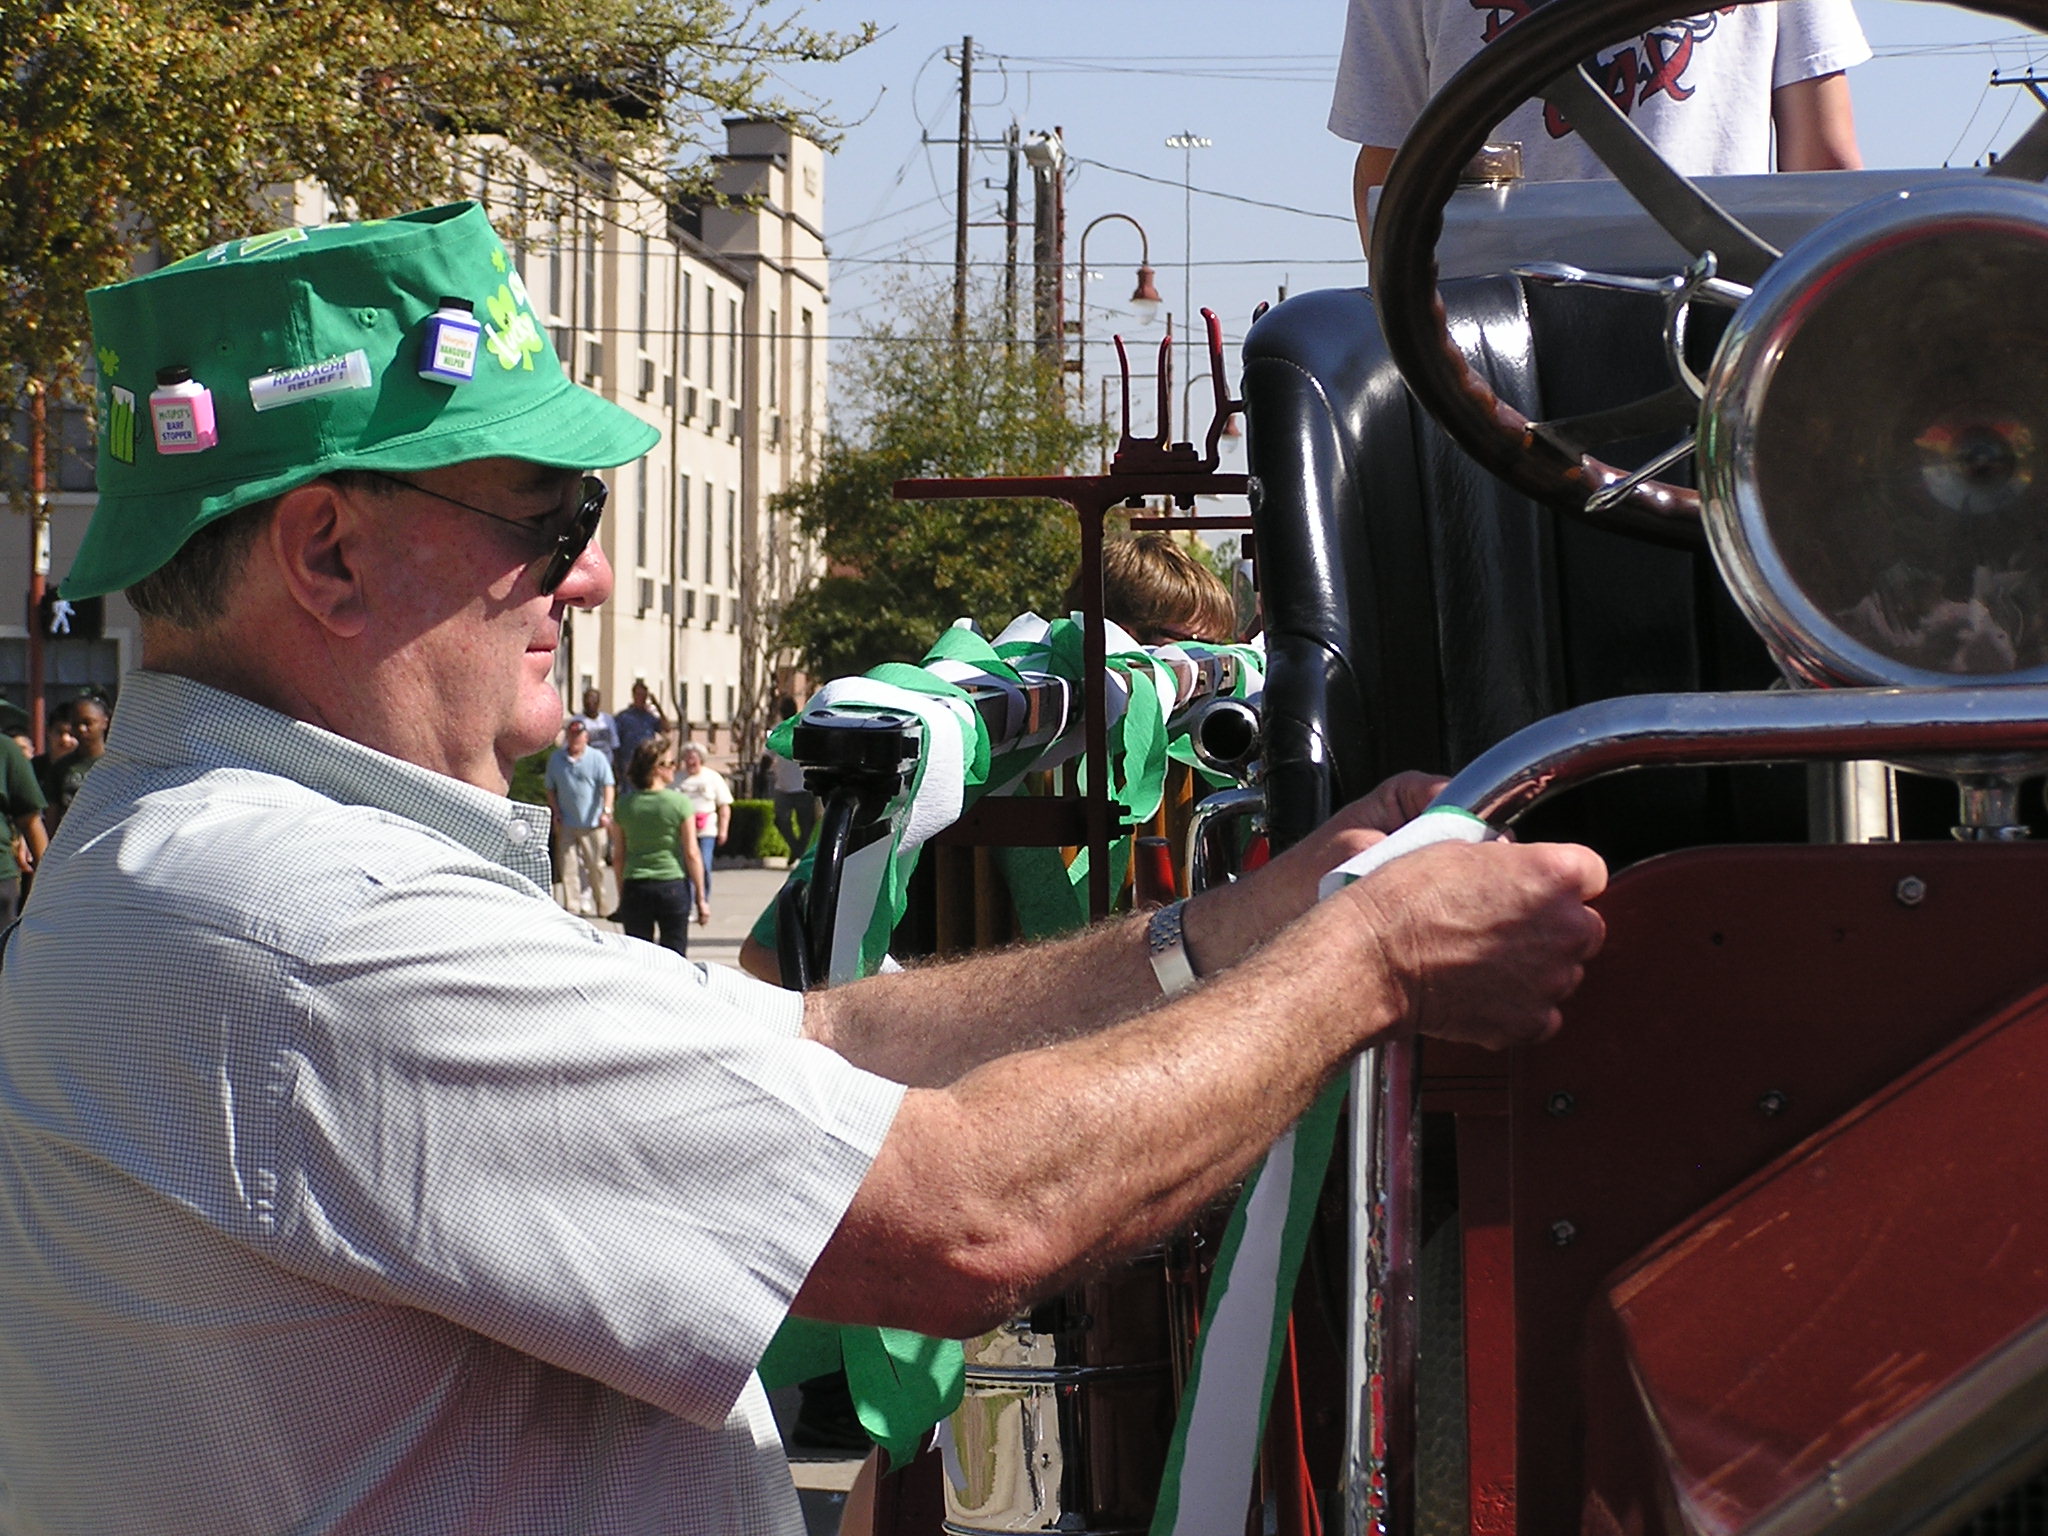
(1709, 90)
(712, 797)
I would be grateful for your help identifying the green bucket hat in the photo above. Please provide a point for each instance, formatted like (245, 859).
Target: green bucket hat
(308, 345)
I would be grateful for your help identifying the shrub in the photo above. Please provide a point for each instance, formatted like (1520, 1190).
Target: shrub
(529, 778)
(752, 834)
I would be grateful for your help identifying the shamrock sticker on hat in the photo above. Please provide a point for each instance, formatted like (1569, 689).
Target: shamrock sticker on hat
(512, 335)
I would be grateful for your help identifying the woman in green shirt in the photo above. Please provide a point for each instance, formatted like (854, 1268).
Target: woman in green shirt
(655, 852)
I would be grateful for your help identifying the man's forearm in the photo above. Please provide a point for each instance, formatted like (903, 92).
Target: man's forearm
(928, 1025)
(1119, 1137)
(1000, 1184)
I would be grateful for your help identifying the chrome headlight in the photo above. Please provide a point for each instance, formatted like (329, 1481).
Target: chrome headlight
(1874, 443)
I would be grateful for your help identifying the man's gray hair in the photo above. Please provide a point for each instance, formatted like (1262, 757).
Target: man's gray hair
(190, 590)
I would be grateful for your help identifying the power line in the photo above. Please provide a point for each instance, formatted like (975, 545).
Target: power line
(1216, 261)
(1228, 197)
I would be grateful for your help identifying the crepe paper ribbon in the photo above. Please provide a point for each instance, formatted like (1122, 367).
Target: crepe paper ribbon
(902, 1383)
(1214, 1454)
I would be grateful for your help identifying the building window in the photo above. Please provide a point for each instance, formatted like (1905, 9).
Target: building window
(707, 704)
(732, 539)
(640, 510)
(710, 338)
(774, 372)
(645, 261)
(682, 535)
(732, 349)
(710, 532)
(590, 275)
(519, 240)
(731, 701)
(683, 325)
(809, 385)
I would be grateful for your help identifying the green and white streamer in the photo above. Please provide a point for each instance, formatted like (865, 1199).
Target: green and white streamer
(902, 1383)
(1215, 1449)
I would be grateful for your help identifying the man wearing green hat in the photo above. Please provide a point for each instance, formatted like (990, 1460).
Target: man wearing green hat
(366, 1190)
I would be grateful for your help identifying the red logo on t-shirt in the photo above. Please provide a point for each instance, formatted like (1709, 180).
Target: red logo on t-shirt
(1654, 64)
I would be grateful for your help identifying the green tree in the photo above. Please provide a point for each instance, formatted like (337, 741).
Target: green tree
(898, 572)
(127, 125)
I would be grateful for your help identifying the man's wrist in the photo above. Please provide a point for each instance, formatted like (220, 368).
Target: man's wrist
(1166, 947)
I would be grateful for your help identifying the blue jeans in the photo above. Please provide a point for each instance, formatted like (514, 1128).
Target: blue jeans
(645, 905)
(705, 845)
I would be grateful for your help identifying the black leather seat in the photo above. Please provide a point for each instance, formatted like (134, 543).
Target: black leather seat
(1417, 610)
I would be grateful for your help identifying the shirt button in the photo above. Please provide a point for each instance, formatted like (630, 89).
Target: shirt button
(518, 832)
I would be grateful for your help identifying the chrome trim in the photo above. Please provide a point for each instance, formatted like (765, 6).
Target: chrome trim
(1811, 645)
(1224, 734)
(1208, 862)
(1900, 1483)
(1384, 1328)
(1359, 1477)
(1996, 731)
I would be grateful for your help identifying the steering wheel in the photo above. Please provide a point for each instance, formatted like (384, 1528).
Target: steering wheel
(1551, 461)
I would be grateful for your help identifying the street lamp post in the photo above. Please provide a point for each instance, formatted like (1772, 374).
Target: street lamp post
(1144, 298)
(1187, 142)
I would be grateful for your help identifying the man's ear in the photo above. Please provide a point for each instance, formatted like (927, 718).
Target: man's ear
(317, 537)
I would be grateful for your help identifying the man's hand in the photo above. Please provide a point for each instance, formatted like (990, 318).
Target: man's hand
(1483, 941)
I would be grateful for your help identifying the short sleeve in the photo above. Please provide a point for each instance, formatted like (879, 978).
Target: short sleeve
(580, 1146)
(1382, 74)
(1816, 37)
(24, 795)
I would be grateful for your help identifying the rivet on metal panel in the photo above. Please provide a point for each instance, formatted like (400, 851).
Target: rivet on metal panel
(1772, 1103)
(1911, 891)
(1563, 1233)
(1560, 1103)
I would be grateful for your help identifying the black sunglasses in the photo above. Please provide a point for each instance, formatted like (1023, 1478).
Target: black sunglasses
(567, 544)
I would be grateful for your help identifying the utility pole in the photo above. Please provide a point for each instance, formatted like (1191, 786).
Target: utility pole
(1014, 149)
(39, 550)
(960, 189)
(1046, 154)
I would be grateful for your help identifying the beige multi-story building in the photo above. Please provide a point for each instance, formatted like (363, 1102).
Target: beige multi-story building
(708, 322)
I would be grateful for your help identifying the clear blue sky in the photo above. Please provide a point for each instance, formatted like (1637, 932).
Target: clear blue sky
(1120, 77)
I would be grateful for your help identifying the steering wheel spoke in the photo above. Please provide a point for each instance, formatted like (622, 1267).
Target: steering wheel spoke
(2027, 160)
(1683, 211)
(1611, 496)
(1650, 416)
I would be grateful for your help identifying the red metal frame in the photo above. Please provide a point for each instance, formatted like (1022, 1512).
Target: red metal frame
(1142, 467)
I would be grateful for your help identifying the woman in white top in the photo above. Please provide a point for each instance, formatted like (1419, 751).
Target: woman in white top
(712, 797)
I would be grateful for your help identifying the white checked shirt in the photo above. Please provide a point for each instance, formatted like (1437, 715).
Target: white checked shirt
(347, 1184)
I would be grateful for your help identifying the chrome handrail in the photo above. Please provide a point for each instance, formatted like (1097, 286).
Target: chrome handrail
(1980, 730)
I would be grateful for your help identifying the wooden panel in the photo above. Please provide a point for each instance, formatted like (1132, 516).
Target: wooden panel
(1747, 998)
(1849, 1291)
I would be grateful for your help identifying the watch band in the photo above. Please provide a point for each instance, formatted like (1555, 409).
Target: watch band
(1169, 950)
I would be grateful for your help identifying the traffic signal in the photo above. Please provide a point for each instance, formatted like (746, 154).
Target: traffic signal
(84, 619)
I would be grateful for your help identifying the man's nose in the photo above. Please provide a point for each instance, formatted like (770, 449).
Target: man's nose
(589, 581)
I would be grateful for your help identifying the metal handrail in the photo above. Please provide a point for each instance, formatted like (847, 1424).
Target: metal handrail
(1987, 729)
